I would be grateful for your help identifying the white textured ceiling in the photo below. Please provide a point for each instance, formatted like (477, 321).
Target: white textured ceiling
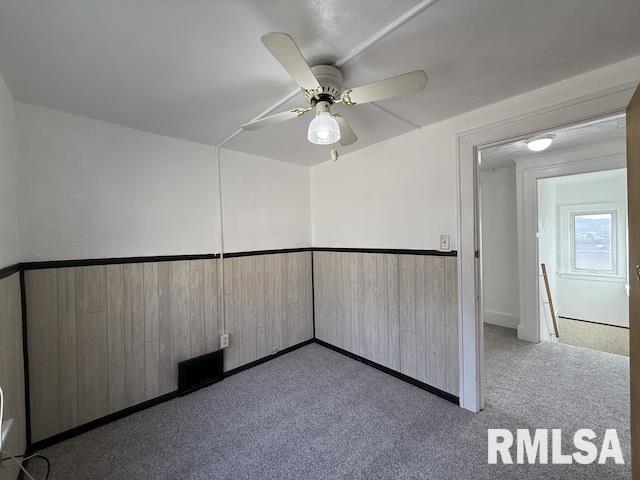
(611, 129)
(196, 69)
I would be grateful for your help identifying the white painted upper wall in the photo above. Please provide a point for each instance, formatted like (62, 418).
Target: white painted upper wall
(401, 193)
(266, 203)
(9, 245)
(395, 194)
(90, 189)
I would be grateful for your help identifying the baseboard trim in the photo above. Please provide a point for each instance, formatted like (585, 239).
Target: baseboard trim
(80, 429)
(500, 319)
(262, 360)
(401, 376)
(98, 422)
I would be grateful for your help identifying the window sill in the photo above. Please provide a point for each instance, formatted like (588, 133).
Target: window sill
(593, 277)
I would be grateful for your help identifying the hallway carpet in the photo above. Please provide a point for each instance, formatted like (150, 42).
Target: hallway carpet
(315, 414)
(604, 338)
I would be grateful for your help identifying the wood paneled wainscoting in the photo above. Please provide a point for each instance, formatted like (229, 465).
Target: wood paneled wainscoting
(103, 338)
(398, 310)
(268, 304)
(11, 368)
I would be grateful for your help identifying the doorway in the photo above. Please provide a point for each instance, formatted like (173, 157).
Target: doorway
(582, 250)
(565, 207)
(594, 104)
(529, 201)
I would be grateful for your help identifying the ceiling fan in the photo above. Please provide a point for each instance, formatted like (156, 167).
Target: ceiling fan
(322, 87)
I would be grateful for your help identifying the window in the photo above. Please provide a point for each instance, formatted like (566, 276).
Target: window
(592, 242)
(593, 237)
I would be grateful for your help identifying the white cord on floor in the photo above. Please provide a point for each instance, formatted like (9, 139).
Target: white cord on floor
(19, 463)
(2, 452)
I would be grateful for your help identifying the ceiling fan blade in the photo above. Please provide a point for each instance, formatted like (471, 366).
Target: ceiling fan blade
(287, 53)
(276, 118)
(405, 84)
(347, 135)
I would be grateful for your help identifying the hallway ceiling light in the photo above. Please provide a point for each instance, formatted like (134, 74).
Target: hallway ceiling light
(540, 143)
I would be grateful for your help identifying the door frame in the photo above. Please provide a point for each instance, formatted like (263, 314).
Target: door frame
(600, 104)
(633, 232)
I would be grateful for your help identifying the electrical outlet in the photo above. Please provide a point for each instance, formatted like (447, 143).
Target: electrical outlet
(444, 243)
(224, 340)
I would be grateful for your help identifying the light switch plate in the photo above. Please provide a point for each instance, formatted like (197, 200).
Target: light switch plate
(224, 340)
(445, 244)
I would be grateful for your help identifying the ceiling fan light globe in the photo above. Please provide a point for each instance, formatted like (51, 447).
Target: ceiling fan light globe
(323, 129)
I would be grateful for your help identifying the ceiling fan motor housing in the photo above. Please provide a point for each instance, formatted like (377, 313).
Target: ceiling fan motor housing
(322, 87)
(329, 78)
(323, 105)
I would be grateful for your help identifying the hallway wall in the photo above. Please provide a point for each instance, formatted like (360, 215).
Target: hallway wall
(500, 246)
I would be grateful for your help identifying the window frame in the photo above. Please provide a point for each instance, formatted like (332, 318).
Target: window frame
(613, 241)
(566, 242)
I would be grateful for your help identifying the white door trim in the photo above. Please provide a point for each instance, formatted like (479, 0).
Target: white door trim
(602, 103)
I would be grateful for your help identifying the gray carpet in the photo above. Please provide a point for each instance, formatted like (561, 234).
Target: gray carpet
(314, 413)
